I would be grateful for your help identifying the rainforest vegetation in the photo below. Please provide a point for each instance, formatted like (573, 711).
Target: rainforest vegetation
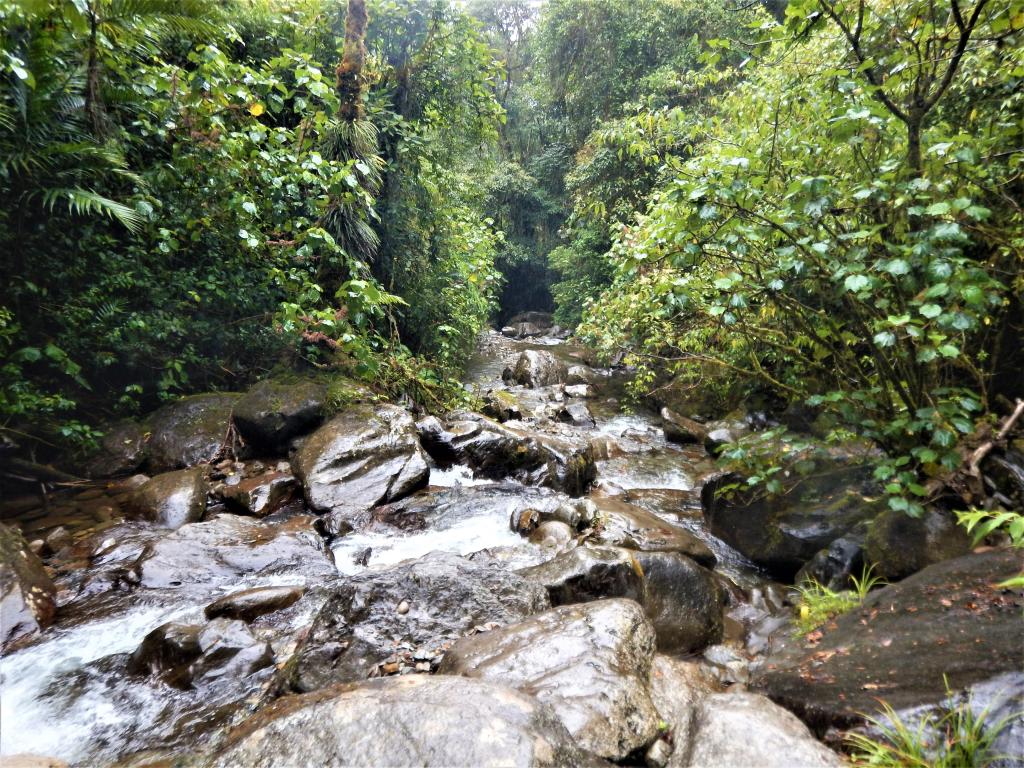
(813, 205)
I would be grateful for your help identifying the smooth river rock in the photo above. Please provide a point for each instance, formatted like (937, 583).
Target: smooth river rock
(362, 457)
(404, 721)
(539, 369)
(273, 412)
(590, 662)
(172, 499)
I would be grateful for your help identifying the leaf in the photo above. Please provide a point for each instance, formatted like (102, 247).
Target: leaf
(256, 109)
(930, 310)
(856, 283)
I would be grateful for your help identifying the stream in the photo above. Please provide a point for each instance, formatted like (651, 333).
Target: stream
(67, 694)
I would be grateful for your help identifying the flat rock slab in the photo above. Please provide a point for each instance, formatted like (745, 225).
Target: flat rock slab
(419, 606)
(220, 550)
(590, 662)
(404, 721)
(946, 620)
(626, 525)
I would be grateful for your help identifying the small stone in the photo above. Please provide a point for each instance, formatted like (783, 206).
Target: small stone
(105, 546)
(525, 520)
(283, 466)
(389, 667)
(423, 666)
(36, 546)
(403, 607)
(58, 538)
(658, 753)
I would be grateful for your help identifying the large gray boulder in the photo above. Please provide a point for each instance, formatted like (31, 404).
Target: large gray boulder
(681, 599)
(949, 623)
(591, 663)
(677, 689)
(407, 721)
(172, 499)
(362, 457)
(680, 429)
(189, 431)
(260, 495)
(122, 450)
(898, 545)
(418, 606)
(27, 594)
(539, 369)
(273, 412)
(745, 729)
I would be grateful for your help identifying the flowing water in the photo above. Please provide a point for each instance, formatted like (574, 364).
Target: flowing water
(64, 696)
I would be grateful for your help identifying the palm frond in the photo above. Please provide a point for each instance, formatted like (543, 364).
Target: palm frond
(84, 202)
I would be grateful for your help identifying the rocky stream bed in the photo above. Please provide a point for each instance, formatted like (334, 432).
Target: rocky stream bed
(550, 582)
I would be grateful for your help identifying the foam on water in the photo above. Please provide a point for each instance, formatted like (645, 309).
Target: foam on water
(456, 475)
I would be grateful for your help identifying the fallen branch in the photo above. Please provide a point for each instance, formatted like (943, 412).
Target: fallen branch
(983, 450)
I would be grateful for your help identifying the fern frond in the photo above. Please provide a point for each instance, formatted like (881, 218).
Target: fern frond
(84, 202)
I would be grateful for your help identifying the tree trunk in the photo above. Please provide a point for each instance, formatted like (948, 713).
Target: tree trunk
(914, 147)
(353, 59)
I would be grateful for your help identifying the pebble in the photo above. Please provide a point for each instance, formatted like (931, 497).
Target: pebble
(403, 607)
(105, 546)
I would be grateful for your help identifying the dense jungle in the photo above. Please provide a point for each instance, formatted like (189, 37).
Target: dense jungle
(512, 383)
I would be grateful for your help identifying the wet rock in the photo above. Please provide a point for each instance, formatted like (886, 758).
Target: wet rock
(521, 331)
(677, 689)
(680, 429)
(540, 319)
(538, 369)
(122, 450)
(729, 665)
(27, 594)
(221, 550)
(625, 525)
(417, 720)
(261, 495)
(359, 627)
(581, 374)
(948, 618)
(590, 662)
(189, 431)
(682, 600)
(576, 414)
(166, 652)
(273, 412)
(503, 406)
(250, 604)
(229, 651)
(589, 573)
(784, 531)
(363, 457)
(898, 545)
(584, 391)
(735, 729)
(172, 499)
(835, 564)
(552, 534)
(504, 451)
(57, 539)
(716, 439)
(33, 761)
(524, 521)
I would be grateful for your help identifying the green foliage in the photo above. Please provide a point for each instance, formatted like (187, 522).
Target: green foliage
(818, 605)
(800, 249)
(955, 737)
(982, 522)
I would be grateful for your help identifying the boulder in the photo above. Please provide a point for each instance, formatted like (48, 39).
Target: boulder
(273, 412)
(172, 499)
(27, 594)
(166, 652)
(591, 663)
(552, 534)
(220, 550)
(261, 495)
(499, 451)
(189, 431)
(680, 429)
(898, 545)
(406, 721)
(540, 319)
(781, 532)
(589, 573)
(362, 457)
(576, 414)
(625, 525)
(442, 597)
(229, 650)
(677, 689)
(123, 450)
(584, 391)
(538, 369)
(250, 604)
(833, 566)
(734, 729)
(716, 439)
(682, 600)
(577, 375)
(503, 406)
(948, 622)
